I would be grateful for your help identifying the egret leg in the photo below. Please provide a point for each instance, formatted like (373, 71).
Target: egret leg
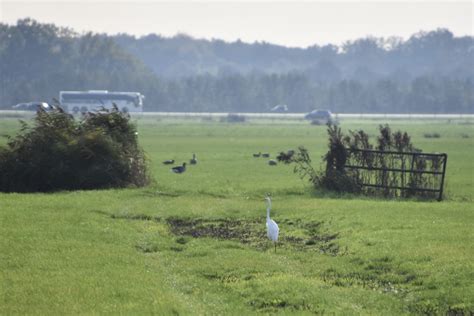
(275, 247)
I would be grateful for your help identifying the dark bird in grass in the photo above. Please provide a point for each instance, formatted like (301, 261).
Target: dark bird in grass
(286, 157)
(168, 162)
(179, 169)
(266, 155)
(257, 155)
(272, 162)
(193, 161)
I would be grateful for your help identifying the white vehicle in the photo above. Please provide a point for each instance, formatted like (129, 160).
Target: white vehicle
(32, 106)
(93, 100)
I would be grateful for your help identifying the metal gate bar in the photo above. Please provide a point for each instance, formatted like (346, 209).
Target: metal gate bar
(391, 169)
(411, 170)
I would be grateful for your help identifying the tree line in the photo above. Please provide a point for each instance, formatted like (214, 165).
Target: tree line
(431, 72)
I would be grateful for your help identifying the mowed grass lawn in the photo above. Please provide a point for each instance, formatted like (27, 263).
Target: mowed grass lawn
(195, 243)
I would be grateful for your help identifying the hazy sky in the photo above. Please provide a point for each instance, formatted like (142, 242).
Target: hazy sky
(295, 23)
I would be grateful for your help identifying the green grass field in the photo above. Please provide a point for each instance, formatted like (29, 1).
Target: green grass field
(195, 243)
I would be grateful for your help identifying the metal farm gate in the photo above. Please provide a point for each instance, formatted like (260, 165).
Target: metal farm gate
(404, 174)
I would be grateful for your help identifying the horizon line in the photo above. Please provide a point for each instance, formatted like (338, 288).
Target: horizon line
(237, 40)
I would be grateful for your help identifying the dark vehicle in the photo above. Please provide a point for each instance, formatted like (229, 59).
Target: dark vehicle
(320, 116)
(281, 108)
(32, 106)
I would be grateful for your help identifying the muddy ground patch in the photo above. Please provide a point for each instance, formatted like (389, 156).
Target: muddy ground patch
(293, 233)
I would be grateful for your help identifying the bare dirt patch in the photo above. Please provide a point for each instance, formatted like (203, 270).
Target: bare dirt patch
(310, 236)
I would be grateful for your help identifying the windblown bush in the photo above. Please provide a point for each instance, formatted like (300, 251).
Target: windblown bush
(335, 177)
(355, 149)
(60, 153)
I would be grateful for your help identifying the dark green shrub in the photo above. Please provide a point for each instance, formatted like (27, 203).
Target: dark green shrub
(286, 157)
(335, 177)
(59, 153)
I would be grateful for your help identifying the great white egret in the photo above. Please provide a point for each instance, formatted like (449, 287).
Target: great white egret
(272, 227)
(193, 161)
(179, 169)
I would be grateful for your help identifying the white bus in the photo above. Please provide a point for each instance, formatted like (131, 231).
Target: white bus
(93, 100)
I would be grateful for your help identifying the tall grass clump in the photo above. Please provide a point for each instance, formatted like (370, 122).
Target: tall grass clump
(57, 152)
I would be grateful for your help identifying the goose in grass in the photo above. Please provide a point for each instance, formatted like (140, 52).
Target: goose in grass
(257, 155)
(265, 155)
(179, 169)
(193, 161)
(168, 162)
(272, 162)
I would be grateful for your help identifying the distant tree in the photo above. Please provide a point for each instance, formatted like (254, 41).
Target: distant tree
(430, 72)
